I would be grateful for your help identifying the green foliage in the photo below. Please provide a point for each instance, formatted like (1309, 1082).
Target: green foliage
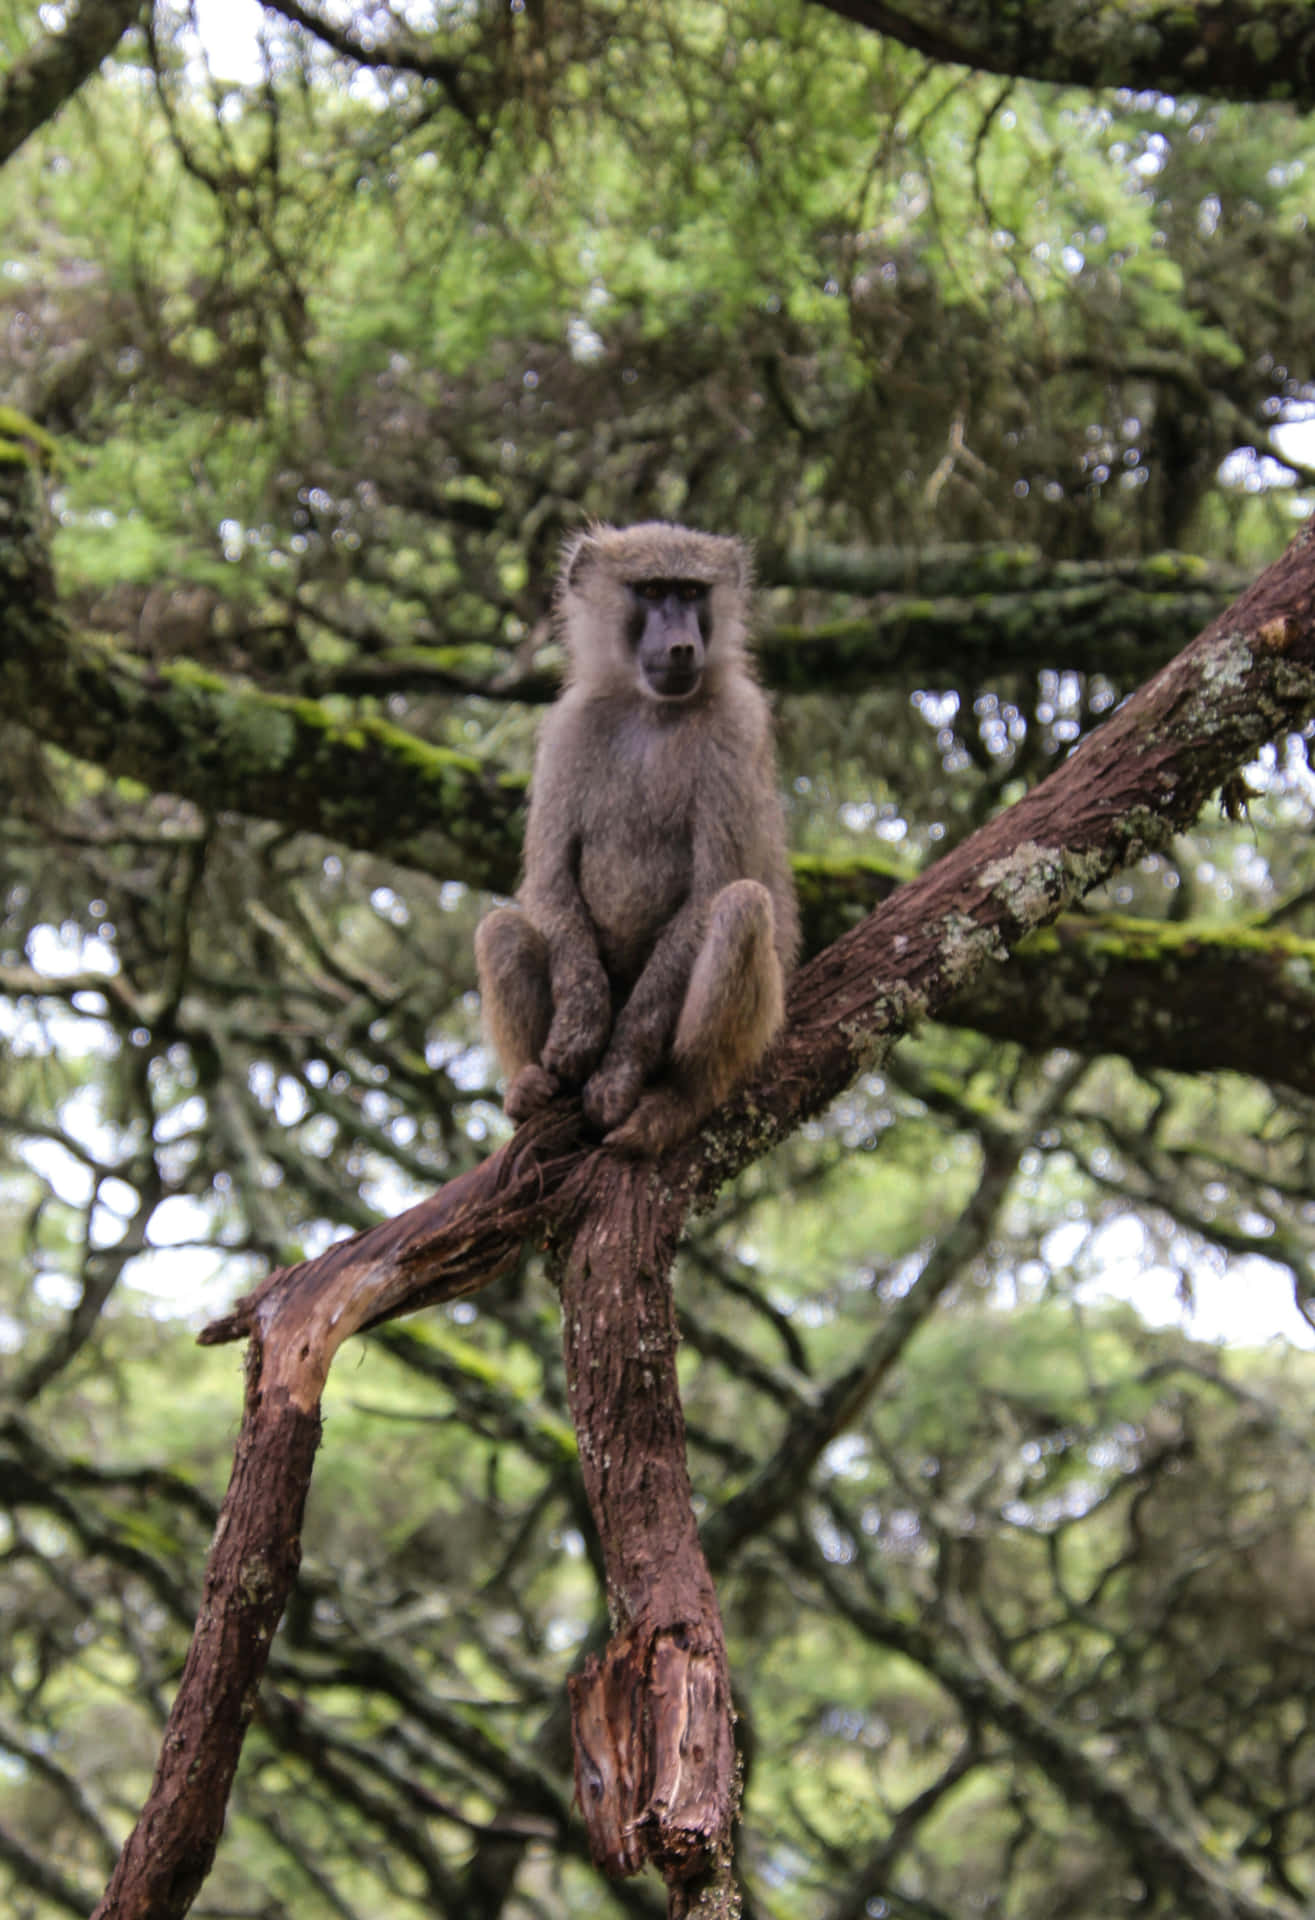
(23, 440)
(905, 243)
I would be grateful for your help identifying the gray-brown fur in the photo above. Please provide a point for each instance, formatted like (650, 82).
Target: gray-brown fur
(657, 923)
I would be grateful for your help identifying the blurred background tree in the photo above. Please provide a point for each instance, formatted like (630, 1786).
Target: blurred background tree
(324, 329)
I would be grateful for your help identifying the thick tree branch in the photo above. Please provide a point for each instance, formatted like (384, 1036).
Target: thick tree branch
(1146, 772)
(1234, 49)
(970, 568)
(659, 1784)
(376, 787)
(365, 783)
(1189, 996)
(36, 86)
(1192, 998)
(254, 1557)
(954, 616)
(1120, 628)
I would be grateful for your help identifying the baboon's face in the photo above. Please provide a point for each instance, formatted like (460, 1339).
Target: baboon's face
(668, 629)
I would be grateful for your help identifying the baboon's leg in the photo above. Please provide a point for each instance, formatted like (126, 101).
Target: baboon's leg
(511, 957)
(733, 1007)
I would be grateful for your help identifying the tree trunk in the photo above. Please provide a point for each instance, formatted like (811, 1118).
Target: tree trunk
(654, 1751)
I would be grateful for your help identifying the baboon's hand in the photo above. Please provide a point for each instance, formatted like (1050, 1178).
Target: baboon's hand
(612, 1093)
(531, 1089)
(662, 1120)
(581, 1022)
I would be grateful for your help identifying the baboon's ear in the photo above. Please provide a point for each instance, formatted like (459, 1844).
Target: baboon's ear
(579, 556)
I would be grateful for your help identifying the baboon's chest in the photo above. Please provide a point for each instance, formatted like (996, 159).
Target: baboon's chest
(636, 857)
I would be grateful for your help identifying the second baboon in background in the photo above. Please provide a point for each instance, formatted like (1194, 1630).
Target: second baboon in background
(647, 959)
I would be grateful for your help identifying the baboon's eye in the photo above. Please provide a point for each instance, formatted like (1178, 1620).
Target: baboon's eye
(650, 590)
(691, 590)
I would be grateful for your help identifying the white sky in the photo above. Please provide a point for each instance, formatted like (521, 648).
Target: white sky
(229, 31)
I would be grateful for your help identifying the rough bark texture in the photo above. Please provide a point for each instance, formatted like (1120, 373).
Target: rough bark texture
(1195, 999)
(34, 88)
(654, 1753)
(253, 1561)
(1236, 49)
(1191, 996)
(455, 1242)
(1146, 772)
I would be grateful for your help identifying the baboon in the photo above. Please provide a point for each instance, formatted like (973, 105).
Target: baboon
(647, 958)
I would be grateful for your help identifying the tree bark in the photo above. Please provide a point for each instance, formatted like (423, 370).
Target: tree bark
(253, 1562)
(1189, 997)
(654, 1751)
(36, 86)
(1234, 49)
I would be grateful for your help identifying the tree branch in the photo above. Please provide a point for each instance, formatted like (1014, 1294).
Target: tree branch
(1234, 49)
(971, 1674)
(1191, 997)
(401, 52)
(375, 786)
(36, 86)
(365, 782)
